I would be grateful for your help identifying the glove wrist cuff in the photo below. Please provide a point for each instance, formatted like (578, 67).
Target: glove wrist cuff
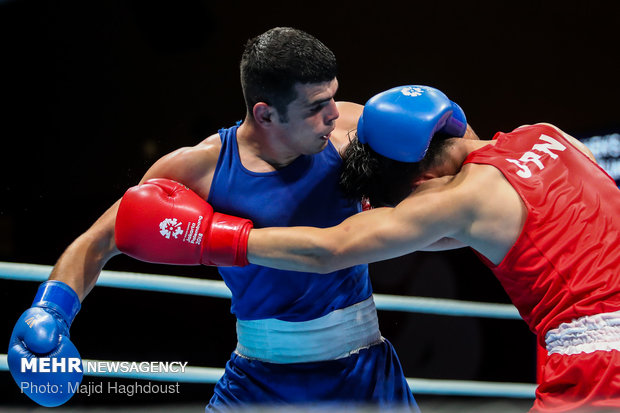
(59, 297)
(227, 242)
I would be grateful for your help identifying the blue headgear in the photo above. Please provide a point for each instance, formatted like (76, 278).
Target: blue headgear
(400, 122)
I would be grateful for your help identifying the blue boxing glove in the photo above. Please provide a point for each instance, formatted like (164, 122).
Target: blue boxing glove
(400, 122)
(43, 361)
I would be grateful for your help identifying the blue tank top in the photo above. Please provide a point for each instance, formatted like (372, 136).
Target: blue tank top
(306, 193)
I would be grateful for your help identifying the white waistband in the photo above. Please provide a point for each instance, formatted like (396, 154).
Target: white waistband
(586, 335)
(335, 335)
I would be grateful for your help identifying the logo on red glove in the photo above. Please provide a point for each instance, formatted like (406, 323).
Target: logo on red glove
(170, 226)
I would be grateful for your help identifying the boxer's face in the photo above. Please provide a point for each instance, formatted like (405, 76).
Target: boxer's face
(311, 117)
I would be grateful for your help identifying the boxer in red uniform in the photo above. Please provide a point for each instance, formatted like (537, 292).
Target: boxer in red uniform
(532, 203)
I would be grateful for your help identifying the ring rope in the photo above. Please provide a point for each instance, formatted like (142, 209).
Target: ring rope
(213, 288)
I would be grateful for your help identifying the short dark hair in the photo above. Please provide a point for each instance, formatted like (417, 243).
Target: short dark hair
(383, 181)
(273, 62)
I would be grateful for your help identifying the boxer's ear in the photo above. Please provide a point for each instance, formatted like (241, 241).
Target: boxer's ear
(263, 113)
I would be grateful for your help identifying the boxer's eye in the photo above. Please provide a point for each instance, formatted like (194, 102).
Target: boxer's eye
(317, 108)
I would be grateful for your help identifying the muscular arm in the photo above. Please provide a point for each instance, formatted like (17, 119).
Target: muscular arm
(81, 263)
(424, 218)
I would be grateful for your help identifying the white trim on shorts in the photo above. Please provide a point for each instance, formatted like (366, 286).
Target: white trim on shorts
(338, 334)
(600, 332)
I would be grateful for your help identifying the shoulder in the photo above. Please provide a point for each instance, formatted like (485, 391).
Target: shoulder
(448, 196)
(475, 178)
(349, 112)
(468, 190)
(488, 198)
(192, 166)
(438, 208)
(346, 124)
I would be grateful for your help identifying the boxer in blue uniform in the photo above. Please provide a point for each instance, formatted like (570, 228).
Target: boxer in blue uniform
(301, 338)
(319, 362)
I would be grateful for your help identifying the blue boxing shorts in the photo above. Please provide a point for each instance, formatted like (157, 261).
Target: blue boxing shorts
(339, 360)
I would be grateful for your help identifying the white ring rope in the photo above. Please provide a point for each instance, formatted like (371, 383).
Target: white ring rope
(212, 288)
(183, 285)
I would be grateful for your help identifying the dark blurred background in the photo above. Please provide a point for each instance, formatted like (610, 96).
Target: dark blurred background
(93, 92)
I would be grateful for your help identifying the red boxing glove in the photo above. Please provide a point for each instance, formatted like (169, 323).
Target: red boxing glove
(165, 222)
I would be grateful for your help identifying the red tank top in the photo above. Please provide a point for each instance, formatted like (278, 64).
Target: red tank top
(566, 262)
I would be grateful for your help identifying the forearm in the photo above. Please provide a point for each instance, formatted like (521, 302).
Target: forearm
(370, 236)
(363, 238)
(81, 263)
(295, 249)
